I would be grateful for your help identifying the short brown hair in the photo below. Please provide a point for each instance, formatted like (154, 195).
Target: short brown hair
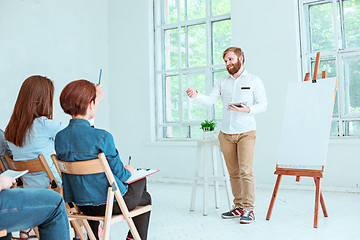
(76, 96)
(238, 52)
(35, 100)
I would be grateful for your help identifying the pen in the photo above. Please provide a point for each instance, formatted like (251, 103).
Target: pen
(129, 160)
(100, 75)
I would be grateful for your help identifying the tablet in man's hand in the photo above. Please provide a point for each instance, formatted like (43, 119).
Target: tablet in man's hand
(237, 104)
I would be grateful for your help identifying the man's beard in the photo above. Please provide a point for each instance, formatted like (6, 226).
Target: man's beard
(235, 67)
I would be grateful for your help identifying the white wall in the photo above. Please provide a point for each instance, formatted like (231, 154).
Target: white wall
(64, 40)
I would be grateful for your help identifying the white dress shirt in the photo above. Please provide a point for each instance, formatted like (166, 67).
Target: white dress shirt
(247, 89)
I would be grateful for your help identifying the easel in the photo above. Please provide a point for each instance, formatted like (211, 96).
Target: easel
(316, 174)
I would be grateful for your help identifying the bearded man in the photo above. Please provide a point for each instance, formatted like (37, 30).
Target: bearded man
(243, 96)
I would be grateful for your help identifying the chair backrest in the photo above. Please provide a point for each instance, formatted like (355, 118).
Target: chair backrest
(86, 167)
(33, 166)
(99, 165)
(2, 166)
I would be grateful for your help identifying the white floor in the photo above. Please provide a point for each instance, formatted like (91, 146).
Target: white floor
(292, 216)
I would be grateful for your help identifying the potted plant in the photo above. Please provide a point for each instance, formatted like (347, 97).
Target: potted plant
(208, 127)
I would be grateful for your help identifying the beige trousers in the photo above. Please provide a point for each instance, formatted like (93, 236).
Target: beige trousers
(238, 151)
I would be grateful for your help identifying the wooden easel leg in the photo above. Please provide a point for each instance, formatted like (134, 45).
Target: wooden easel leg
(317, 200)
(322, 202)
(272, 202)
(323, 205)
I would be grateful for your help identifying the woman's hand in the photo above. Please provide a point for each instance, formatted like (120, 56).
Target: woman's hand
(130, 168)
(6, 182)
(99, 93)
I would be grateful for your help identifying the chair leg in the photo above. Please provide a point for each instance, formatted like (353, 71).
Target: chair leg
(88, 229)
(78, 229)
(108, 214)
(36, 230)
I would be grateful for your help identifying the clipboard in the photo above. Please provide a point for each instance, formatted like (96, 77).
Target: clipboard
(140, 173)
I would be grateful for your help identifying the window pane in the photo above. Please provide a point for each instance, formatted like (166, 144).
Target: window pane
(336, 104)
(172, 98)
(170, 11)
(183, 48)
(196, 132)
(330, 67)
(325, 65)
(174, 132)
(220, 7)
(352, 128)
(352, 23)
(192, 109)
(321, 27)
(197, 45)
(218, 104)
(334, 131)
(196, 9)
(171, 48)
(221, 39)
(182, 10)
(352, 85)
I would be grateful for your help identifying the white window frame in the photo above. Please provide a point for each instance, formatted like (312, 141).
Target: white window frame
(338, 55)
(161, 73)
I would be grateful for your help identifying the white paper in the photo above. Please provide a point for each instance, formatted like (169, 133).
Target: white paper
(14, 174)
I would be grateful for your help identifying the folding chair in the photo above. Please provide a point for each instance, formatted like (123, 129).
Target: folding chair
(35, 165)
(2, 166)
(100, 165)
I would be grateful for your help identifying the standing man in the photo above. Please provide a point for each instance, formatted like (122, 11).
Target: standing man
(243, 96)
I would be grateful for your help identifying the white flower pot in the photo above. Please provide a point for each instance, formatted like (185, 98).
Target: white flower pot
(208, 134)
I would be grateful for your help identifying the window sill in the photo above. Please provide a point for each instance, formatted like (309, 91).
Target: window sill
(344, 140)
(173, 142)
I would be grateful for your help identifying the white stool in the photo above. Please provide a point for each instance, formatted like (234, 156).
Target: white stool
(211, 146)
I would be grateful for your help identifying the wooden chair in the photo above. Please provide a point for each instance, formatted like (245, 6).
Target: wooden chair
(2, 166)
(100, 165)
(35, 165)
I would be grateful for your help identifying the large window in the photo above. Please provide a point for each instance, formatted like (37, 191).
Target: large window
(190, 36)
(333, 28)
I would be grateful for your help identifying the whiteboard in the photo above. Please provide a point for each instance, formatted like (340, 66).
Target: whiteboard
(306, 124)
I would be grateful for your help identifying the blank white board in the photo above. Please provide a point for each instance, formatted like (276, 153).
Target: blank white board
(306, 124)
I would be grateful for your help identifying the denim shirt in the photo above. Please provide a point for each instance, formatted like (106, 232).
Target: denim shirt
(77, 142)
(39, 140)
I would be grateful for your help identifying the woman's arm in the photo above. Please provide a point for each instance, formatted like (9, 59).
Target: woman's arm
(112, 155)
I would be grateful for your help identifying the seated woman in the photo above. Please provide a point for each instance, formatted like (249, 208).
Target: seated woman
(26, 208)
(79, 141)
(31, 130)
